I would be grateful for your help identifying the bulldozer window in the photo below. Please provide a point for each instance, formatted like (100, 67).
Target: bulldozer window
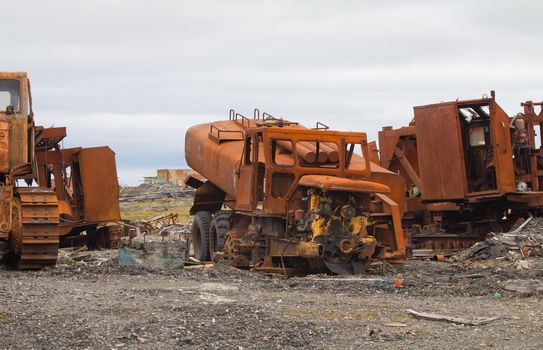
(350, 150)
(9, 94)
(318, 154)
(248, 150)
(478, 147)
(282, 153)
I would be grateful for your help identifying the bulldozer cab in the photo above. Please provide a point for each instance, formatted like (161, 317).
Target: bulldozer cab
(16, 138)
(275, 158)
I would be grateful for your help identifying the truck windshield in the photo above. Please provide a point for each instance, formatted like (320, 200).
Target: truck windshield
(9, 94)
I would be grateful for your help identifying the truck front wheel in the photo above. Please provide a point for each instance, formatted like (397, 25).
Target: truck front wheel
(200, 235)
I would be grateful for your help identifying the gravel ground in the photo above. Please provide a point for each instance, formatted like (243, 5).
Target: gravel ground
(107, 307)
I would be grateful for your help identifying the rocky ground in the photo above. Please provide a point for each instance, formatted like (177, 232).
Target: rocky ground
(91, 302)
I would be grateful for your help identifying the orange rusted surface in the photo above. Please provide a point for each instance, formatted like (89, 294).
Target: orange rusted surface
(300, 198)
(100, 185)
(4, 146)
(84, 179)
(469, 169)
(332, 183)
(29, 219)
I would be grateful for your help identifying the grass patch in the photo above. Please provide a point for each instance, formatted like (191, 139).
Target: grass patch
(144, 210)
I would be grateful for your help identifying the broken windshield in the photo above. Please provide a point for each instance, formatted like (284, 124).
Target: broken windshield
(9, 94)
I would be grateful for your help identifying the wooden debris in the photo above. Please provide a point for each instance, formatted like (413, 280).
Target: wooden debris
(395, 324)
(475, 321)
(524, 286)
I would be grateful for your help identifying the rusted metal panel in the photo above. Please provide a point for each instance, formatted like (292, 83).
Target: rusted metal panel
(207, 157)
(48, 138)
(399, 153)
(411, 172)
(502, 148)
(4, 146)
(332, 183)
(374, 152)
(440, 152)
(99, 183)
(285, 248)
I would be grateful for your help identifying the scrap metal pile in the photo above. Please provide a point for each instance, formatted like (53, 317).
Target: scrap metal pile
(522, 243)
(162, 225)
(146, 192)
(157, 243)
(279, 197)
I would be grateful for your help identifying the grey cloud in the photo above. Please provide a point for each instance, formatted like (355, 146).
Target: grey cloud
(136, 74)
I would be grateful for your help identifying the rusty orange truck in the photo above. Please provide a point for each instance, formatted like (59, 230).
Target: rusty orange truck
(296, 199)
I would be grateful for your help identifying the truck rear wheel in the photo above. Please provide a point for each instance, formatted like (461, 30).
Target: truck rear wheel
(219, 227)
(200, 235)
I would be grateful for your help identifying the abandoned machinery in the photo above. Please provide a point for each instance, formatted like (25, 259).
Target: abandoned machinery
(74, 193)
(469, 170)
(301, 200)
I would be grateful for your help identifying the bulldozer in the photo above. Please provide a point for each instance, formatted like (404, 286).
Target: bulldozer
(29, 220)
(282, 198)
(49, 194)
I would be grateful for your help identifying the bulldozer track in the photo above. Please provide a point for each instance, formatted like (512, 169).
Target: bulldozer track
(38, 220)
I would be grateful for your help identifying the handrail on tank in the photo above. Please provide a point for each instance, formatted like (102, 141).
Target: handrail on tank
(243, 119)
(321, 126)
(219, 131)
(256, 113)
(266, 115)
(234, 116)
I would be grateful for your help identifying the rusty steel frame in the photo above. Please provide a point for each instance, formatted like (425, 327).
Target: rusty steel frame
(84, 179)
(430, 155)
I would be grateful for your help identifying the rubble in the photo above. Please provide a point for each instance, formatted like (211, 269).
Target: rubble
(154, 191)
(158, 243)
(153, 252)
(222, 307)
(517, 245)
(527, 287)
(81, 257)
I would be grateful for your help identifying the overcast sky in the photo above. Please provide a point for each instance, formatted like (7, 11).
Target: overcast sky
(136, 74)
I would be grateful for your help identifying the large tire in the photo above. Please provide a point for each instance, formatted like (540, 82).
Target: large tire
(200, 235)
(219, 227)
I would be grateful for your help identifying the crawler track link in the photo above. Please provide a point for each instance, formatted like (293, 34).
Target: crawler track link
(36, 219)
